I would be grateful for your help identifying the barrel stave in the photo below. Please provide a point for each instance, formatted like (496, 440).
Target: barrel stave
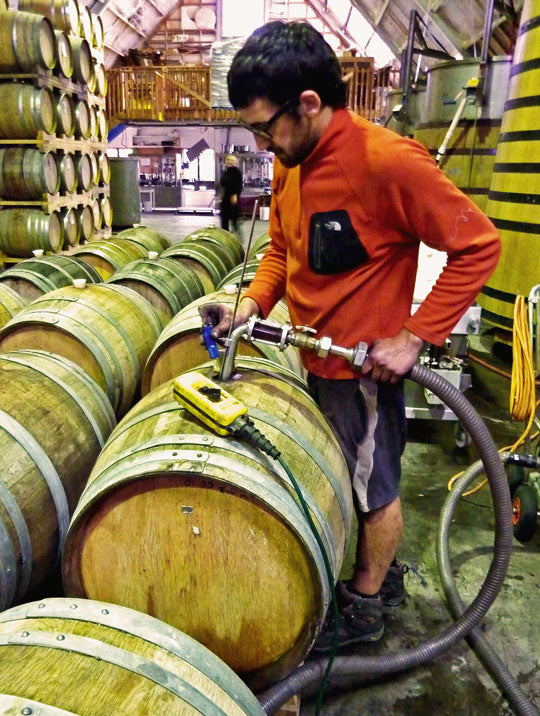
(161, 668)
(240, 514)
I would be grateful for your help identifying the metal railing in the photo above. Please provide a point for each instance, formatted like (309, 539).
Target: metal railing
(168, 93)
(182, 92)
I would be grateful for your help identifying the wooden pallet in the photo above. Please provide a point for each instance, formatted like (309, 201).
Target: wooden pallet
(46, 78)
(55, 202)
(102, 190)
(96, 99)
(99, 235)
(54, 143)
(7, 261)
(97, 54)
(290, 708)
(52, 202)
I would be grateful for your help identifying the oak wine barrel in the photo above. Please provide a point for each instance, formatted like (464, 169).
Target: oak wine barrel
(84, 172)
(83, 67)
(218, 249)
(179, 348)
(101, 79)
(221, 239)
(102, 125)
(27, 110)
(95, 167)
(65, 115)
(68, 172)
(260, 245)
(34, 277)
(64, 14)
(10, 303)
(108, 330)
(82, 119)
(98, 33)
(23, 230)
(91, 84)
(106, 211)
(104, 168)
(110, 255)
(149, 238)
(233, 277)
(70, 227)
(100, 659)
(64, 53)
(224, 521)
(202, 259)
(54, 421)
(165, 283)
(27, 173)
(27, 42)
(96, 212)
(93, 122)
(86, 28)
(85, 218)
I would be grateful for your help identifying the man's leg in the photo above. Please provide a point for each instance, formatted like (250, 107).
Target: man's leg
(224, 215)
(379, 536)
(369, 421)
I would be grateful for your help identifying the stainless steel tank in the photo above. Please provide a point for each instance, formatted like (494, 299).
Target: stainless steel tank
(445, 81)
(405, 123)
(125, 192)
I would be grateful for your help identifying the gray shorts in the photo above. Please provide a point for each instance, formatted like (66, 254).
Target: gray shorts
(369, 421)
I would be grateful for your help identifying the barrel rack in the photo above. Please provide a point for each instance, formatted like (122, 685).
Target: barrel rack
(93, 93)
(53, 143)
(46, 79)
(54, 202)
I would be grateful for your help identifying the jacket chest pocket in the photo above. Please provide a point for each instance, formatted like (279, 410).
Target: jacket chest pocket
(333, 245)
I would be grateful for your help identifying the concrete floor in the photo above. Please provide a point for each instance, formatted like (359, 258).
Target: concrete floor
(455, 683)
(177, 226)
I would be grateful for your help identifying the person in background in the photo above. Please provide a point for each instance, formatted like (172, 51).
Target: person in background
(351, 203)
(231, 187)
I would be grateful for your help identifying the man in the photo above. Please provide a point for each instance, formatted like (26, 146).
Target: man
(231, 185)
(351, 202)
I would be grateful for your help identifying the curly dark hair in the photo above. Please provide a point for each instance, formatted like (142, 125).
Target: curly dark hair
(282, 59)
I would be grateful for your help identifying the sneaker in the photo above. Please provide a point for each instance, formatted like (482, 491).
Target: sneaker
(393, 588)
(361, 621)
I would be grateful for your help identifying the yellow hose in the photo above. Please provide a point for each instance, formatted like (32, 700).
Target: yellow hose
(523, 402)
(522, 388)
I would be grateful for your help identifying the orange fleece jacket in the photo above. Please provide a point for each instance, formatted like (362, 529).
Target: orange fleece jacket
(396, 196)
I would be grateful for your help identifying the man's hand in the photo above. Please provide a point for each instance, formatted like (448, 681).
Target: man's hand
(390, 358)
(220, 315)
(234, 199)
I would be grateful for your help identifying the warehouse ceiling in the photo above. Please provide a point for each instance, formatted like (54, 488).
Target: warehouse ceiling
(184, 31)
(456, 25)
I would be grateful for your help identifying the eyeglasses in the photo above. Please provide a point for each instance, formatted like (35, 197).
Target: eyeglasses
(262, 129)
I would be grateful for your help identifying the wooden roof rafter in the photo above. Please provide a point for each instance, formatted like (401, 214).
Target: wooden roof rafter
(323, 13)
(429, 11)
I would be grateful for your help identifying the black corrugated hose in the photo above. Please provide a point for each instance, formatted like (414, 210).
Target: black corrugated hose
(312, 672)
(476, 640)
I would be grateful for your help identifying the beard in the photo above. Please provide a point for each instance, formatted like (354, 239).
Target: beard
(295, 154)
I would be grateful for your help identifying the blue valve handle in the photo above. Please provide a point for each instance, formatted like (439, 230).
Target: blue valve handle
(209, 342)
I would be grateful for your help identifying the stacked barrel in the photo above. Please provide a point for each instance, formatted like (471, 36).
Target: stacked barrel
(54, 172)
(188, 510)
